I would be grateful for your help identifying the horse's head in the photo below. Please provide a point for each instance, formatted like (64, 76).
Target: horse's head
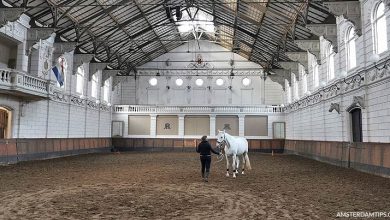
(221, 136)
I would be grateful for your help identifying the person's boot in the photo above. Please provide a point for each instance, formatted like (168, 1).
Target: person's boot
(203, 176)
(206, 178)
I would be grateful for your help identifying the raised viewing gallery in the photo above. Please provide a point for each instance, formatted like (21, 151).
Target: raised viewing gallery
(194, 109)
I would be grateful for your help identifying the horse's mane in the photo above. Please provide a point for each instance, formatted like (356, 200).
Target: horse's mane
(228, 135)
(228, 138)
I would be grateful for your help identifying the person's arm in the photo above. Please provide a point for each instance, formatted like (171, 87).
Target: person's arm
(197, 148)
(212, 150)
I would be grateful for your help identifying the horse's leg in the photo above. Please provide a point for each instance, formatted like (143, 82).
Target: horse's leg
(237, 164)
(227, 165)
(234, 165)
(243, 163)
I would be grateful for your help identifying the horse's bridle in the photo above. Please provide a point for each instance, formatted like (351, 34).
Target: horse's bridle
(222, 142)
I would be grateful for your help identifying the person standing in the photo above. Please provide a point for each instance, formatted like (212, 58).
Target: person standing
(204, 149)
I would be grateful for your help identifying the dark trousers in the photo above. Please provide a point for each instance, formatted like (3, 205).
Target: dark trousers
(206, 161)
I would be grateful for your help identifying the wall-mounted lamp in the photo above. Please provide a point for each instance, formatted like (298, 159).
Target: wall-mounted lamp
(168, 87)
(209, 87)
(188, 87)
(230, 87)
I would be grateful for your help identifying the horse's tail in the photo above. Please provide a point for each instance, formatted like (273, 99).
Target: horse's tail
(247, 162)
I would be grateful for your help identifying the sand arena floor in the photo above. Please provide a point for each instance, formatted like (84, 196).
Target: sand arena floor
(168, 186)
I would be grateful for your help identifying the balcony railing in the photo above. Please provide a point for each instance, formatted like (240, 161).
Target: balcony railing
(142, 109)
(22, 83)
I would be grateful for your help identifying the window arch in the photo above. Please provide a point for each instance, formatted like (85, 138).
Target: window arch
(351, 48)
(80, 80)
(379, 28)
(330, 60)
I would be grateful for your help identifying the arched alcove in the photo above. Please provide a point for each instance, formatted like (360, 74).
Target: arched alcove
(355, 112)
(5, 122)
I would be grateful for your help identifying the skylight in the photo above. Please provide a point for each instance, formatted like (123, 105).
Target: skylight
(196, 21)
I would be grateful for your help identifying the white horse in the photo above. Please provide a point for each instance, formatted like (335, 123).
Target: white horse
(234, 147)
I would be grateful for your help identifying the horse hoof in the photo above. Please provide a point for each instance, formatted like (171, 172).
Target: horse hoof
(242, 173)
(227, 175)
(234, 176)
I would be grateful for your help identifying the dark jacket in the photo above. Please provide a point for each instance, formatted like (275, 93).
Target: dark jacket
(204, 148)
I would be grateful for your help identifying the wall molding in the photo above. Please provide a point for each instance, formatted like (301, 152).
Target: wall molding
(374, 75)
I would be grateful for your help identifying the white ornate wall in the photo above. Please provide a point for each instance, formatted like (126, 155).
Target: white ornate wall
(63, 113)
(309, 118)
(166, 92)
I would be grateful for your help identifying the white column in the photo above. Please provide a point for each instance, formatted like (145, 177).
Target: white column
(241, 125)
(153, 125)
(21, 58)
(181, 125)
(212, 125)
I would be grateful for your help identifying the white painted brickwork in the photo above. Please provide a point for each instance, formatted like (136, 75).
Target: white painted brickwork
(259, 92)
(64, 114)
(315, 122)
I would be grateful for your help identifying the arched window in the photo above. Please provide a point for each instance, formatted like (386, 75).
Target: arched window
(316, 78)
(304, 83)
(106, 90)
(303, 76)
(288, 92)
(295, 88)
(94, 89)
(80, 80)
(379, 28)
(351, 48)
(330, 60)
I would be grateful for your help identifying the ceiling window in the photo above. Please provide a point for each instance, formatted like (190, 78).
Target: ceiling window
(95, 83)
(194, 20)
(330, 60)
(80, 80)
(379, 29)
(351, 48)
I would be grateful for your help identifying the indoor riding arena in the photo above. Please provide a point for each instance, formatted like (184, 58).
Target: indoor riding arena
(194, 109)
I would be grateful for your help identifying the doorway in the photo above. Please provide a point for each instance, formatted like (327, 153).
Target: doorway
(5, 123)
(356, 118)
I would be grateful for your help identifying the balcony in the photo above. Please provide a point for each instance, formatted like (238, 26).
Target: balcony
(150, 109)
(23, 85)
